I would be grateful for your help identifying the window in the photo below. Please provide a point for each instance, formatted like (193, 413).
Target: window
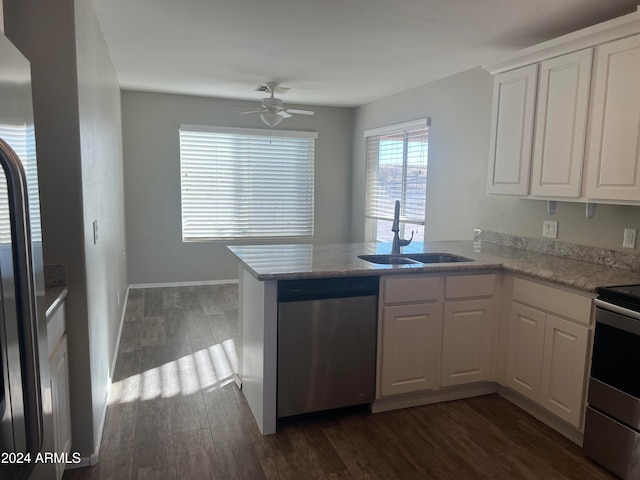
(246, 183)
(396, 170)
(21, 139)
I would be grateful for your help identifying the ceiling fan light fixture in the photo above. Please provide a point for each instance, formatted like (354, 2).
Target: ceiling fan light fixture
(272, 110)
(270, 118)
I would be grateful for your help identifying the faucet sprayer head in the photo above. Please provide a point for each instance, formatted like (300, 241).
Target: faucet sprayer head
(395, 227)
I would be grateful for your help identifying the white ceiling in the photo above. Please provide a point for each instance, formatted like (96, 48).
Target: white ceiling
(330, 52)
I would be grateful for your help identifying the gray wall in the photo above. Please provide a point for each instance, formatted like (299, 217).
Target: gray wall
(100, 123)
(78, 141)
(156, 253)
(460, 111)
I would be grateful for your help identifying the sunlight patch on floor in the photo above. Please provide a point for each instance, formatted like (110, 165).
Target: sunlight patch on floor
(205, 370)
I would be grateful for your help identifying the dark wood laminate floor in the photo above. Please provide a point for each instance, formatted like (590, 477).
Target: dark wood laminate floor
(175, 413)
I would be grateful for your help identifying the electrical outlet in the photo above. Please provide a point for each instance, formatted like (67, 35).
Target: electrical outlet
(550, 229)
(629, 240)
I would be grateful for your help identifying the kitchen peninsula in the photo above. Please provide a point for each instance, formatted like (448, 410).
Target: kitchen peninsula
(263, 266)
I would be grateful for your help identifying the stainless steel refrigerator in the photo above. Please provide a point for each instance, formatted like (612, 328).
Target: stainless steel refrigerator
(25, 390)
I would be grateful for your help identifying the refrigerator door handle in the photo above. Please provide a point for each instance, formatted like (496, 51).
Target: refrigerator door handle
(25, 294)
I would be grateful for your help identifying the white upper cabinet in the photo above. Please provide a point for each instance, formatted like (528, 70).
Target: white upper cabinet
(514, 95)
(580, 139)
(561, 125)
(614, 149)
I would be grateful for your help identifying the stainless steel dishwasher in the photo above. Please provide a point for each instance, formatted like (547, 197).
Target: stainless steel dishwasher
(326, 343)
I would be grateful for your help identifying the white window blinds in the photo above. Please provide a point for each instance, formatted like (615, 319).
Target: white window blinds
(21, 139)
(397, 170)
(246, 183)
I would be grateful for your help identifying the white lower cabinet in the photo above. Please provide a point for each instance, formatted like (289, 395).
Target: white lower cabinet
(564, 367)
(526, 345)
(548, 354)
(467, 342)
(410, 347)
(435, 331)
(59, 370)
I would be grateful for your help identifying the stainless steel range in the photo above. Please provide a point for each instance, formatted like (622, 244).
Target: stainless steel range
(612, 425)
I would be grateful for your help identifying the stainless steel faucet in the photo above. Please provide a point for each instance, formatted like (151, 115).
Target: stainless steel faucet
(395, 228)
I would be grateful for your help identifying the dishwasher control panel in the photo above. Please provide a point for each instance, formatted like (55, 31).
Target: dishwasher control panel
(320, 288)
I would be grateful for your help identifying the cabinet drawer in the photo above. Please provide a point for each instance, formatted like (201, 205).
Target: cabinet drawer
(413, 288)
(470, 286)
(560, 302)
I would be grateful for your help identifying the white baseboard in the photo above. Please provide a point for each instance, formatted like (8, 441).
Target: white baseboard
(546, 417)
(436, 396)
(466, 391)
(122, 316)
(182, 284)
(94, 457)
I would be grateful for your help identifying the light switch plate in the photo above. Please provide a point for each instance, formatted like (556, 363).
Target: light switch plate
(550, 229)
(629, 240)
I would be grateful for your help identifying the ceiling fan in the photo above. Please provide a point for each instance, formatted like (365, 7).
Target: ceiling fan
(272, 111)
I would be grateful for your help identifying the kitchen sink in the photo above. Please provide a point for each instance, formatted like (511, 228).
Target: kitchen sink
(413, 258)
(437, 258)
(389, 259)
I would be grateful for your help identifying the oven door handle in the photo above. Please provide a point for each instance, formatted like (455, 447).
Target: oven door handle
(617, 317)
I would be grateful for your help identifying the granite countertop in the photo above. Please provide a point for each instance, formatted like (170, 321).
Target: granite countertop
(297, 261)
(53, 298)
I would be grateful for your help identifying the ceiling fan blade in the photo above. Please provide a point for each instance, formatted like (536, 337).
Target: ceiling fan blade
(272, 111)
(300, 112)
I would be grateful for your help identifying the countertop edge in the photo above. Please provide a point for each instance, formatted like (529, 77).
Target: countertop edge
(451, 268)
(54, 296)
(392, 270)
(589, 288)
